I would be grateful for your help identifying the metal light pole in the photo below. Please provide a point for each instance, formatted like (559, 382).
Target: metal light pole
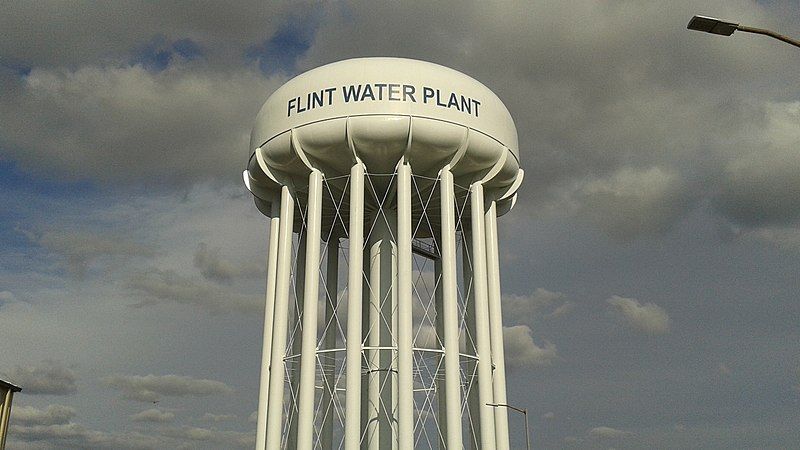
(524, 412)
(725, 28)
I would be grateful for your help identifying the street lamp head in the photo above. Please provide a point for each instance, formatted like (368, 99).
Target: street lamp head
(712, 25)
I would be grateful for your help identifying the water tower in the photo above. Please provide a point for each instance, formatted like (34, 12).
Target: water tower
(383, 179)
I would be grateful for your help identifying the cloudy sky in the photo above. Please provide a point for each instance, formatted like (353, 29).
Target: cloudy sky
(650, 269)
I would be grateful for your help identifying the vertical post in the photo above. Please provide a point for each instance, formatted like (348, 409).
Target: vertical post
(405, 357)
(527, 431)
(279, 329)
(473, 402)
(366, 310)
(328, 359)
(269, 306)
(482, 336)
(373, 337)
(352, 419)
(496, 326)
(4, 416)
(449, 312)
(296, 327)
(391, 356)
(380, 416)
(308, 352)
(441, 385)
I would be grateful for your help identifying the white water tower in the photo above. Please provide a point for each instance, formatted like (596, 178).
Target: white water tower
(383, 179)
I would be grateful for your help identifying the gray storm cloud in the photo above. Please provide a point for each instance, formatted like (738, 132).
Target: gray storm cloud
(631, 127)
(151, 388)
(48, 378)
(153, 415)
(51, 415)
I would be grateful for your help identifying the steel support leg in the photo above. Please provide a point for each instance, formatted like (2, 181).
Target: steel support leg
(269, 307)
(496, 327)
(405, 356)
(449, 312)
(308, 351)
(328, 359)
(352, 424)
(482, 338)
(381, 279)
(279, 329)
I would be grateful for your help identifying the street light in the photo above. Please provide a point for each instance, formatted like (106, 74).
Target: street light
(725, 28)
(524, 412)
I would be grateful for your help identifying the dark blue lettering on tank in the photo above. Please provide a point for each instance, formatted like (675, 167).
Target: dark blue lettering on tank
(382, 92)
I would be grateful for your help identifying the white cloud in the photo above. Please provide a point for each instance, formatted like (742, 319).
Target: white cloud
(225, 438)
(169, 286)
(608, 433)
(153, 415)
(218, 417)
(760, 186)
(563, 309)
(649, 318)
(521, 351)
(72, 435)
(80, 248)
(522, 308)
(7, 297)
(212, 265)
(150, 388)
(87, 123)
(49, 378)
(634, 201)
(782, 237)
(52, 415)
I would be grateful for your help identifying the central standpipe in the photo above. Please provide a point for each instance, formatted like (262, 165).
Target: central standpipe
(378, 409)
(383, 213)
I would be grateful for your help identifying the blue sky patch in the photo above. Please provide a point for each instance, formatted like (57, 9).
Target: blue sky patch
(18, 68)
(281, 51)
(157, 54)
(27, 199)
(187, 48)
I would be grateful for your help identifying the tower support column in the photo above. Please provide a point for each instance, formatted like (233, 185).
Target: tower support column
(308, 349)
(355, 277)
(269, 306)
(449, 312)
(482, 336)
(279, 329)
(328, 358)
(496, 326)
(380, 416)
(405, 356)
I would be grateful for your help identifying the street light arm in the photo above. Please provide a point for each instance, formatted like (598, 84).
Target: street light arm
(521, 410)
(726, 28)
(769, 33)
(524, 413)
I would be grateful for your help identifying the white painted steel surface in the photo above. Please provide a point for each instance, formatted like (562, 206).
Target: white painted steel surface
(274, 436)
(374, 155)
(450, 319)
(496, 326)
(308, 355)
(404, 326)
(269, 313)
(352, 420)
